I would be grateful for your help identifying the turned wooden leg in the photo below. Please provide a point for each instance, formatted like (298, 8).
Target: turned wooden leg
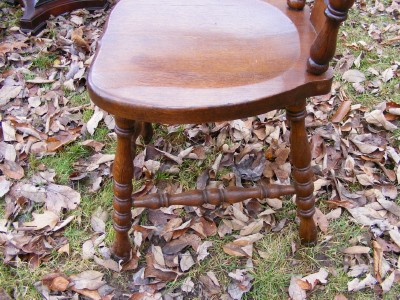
(302, 173)
(147, 132)
(123, 174)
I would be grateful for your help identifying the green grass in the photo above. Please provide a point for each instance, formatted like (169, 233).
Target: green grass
(272, 273)
(44, 61)
(78, 99)
(379, 61)
(62, 162)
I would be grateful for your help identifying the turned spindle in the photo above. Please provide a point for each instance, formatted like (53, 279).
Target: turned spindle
(324, 46)
(123, 174)
(212, 196)
(296, 4)
(300, 156)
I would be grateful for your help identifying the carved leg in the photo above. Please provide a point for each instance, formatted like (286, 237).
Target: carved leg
(147, 132)
(302, 173)
(123, 173)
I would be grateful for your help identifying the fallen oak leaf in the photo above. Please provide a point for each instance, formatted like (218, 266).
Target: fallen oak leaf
(90, 280)
(342, 111)
(357, 250)
(186, 261)
(4, 186)
(97, 146)
(108, 264)
(321, 220)
(40, 221)
(354, 76)
(12, 170)
(376, 117)
(378, 256)
(61, 196)
(92, 124)
(388, 282)
(77, 39)
(187, 285)
(9, 92)
(367, 143)
(56, 282)
(296, 292)
(151, 271)
(202, 252)
(314, 279)
(54, 143)
(357, 284)
(10, 46)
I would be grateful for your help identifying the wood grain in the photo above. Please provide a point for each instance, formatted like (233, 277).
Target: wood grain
(186, 61)
(194, 61)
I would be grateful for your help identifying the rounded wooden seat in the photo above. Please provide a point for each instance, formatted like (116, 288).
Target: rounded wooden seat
(192, 61)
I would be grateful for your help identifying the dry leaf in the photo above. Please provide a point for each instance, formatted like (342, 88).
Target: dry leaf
(357, 284)
(357, 250)
(92, 124)
(90, 280)
(40, 221)
(314, 279)
(9, 92)
(295, 290)
(61, 196)
(202, 250)
(56, 282)
(321, 220)
(12, 170)
(376, 117)
(186, 261)
(4, 186)
(342, 111)
(354, 76)
(187, 285)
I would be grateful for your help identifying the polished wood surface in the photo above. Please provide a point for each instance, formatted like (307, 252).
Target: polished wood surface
(193, 61)
(324, 46)
(216, 196)
(34, 18)
(300, 158)
(180, 61)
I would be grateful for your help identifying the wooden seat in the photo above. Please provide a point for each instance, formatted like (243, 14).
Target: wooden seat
(193, 61)
(172, 55)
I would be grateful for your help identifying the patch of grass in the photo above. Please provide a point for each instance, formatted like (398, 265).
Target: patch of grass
(218, 261)
(87, 114)
(8, 20)
(78, 99)
(44, 60)
(396, 137)
(272, 273)
(379, 58)
(63, 161)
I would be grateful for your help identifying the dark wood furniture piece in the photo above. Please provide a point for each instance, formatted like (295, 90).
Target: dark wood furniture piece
(195, 61)
(36, 14)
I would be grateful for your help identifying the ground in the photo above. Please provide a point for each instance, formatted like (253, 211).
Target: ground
(57, 145)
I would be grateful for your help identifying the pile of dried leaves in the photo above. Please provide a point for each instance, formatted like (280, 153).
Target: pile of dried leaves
(356, 160)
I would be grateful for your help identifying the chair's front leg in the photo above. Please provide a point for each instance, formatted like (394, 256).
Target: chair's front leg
(302, 172)
(123, 174)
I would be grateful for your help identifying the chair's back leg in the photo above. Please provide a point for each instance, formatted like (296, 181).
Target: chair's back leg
(302, 172)
(147, 132)
(123, 174)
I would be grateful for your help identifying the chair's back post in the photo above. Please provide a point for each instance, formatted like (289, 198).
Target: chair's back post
(324, 46)
(296, 4)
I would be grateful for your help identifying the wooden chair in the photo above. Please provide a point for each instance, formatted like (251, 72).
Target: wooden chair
(196, 61)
